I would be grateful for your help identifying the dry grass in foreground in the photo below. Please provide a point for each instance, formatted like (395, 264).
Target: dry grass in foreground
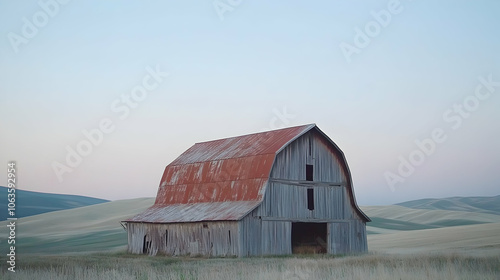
(371, 266)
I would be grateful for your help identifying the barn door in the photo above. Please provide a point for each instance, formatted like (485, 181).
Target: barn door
(339, 238)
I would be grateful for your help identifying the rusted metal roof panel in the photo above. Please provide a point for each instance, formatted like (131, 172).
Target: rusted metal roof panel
(268, 142)
(196, 212)
(234, 169)
(220, 191)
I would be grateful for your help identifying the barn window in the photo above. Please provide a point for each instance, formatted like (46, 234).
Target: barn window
(309, 172)
(310, 147)
(205, 225)
(229, 238)
(166, 237)
(310, 199)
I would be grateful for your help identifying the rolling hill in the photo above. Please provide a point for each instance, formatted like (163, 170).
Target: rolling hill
(481, 239)
(30, 203)
(478, 204)
(387, 219)
(85, 229)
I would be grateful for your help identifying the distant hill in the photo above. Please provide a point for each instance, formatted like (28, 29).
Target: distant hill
(490, 205)
(30, 203)
(475, 239)
(91, 228)
(393, 218)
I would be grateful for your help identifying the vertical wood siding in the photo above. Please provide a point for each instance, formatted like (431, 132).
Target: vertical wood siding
(276, 238)
(290, 201)
(339, 238)
(214, 239)
(250, 235)
(285, 203)
(358, 240)
(291, 162)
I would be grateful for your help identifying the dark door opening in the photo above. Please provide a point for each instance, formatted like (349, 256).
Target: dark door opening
(309, 238)
(146, 245)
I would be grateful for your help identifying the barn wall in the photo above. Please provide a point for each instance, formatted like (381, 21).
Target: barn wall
(276, 238)
(290, 202)
(346, 237)
(261, 237)
(310, 148)
(211, 238)
(289, 199)
(285, 200)
(339, 238)
(358, 242)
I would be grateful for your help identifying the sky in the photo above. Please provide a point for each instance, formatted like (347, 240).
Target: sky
(97, 97)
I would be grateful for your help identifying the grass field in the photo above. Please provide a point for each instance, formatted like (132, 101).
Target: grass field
(96, 228)
(370, 266)
(404, 243)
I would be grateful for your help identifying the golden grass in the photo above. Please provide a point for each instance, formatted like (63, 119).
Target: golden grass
(473, 252)
(371, 266)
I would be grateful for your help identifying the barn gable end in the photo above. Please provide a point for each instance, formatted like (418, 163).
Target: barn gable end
(258, 194)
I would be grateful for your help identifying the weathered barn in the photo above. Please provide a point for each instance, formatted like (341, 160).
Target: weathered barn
(268, 193)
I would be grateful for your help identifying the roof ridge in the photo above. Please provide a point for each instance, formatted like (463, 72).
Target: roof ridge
(255, 133)
(201, 161)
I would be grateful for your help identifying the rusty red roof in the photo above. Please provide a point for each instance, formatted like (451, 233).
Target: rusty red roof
(219, 180)
(232, 169)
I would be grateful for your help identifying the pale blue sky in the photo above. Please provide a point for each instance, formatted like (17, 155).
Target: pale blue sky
(229, 76)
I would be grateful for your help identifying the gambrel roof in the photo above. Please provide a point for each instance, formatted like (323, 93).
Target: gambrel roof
(224, 179)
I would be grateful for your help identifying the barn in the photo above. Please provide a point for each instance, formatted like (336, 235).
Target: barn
(271, 193)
